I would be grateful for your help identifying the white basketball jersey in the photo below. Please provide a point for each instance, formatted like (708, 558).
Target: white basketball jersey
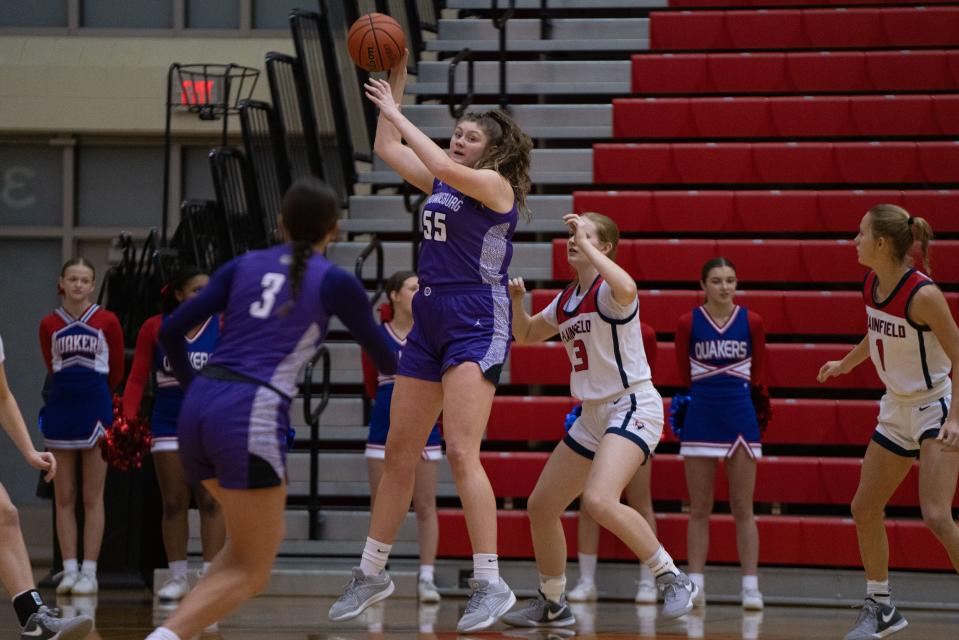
(606, 354)
(907, 356)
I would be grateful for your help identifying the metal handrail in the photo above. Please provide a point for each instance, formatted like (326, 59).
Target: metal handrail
(500, 23)
(312, 418)
(458, 109)
(374, 246)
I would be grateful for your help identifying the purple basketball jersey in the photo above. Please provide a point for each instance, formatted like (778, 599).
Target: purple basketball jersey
(464, 242)
(259, 339)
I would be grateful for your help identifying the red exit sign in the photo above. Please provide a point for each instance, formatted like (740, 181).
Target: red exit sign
(196, 92)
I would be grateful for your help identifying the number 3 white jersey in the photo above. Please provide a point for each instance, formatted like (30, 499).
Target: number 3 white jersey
(603, 339)
(908, 357)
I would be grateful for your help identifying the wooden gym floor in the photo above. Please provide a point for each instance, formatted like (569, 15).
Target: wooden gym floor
(131, 615)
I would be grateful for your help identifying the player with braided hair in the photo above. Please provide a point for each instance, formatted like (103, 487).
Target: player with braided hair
(233, 428)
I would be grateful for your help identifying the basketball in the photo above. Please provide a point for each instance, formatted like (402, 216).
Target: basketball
(376, 42)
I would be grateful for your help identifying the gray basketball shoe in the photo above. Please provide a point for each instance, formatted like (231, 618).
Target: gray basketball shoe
(361, 591)
(876, 620)
(44, 625)
(541, 612)
(678, 594)
(486, 604)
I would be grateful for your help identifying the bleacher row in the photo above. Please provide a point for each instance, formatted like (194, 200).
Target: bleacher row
(805, 28)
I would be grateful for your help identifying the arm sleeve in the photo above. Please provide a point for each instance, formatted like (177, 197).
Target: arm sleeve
(343, 296)
(46, 347)
(140, 369)
(650, 344)
(210, 300)
(609, 307)
(758, 332)
(118, 359)
(683, 330)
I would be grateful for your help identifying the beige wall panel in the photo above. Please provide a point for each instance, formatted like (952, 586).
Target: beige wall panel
(110, 85)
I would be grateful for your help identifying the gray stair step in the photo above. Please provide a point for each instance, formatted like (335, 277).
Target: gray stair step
(547, 166)
(532, 260)
(529, 77)
(344, 474)
(559, 4)
(620, 34)
(537, 120)
(386, 213)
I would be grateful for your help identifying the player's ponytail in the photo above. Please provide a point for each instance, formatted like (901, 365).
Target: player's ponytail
(507, 152)
(903, 231)
(310, 211)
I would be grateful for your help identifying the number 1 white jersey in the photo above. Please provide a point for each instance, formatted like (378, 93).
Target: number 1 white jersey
(908, 357)
(606, 352)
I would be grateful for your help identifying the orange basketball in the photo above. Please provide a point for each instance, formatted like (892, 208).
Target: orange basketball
(376, 42)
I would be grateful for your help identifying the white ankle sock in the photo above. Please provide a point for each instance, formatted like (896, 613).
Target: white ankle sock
(486, 567)
(375, 555)
(426, 572)
(645, 574)
(661, 563)
(878, 590)
(89, 567)
(698, 579)
(750, 583)
(70, 565)
(162, 633)
(587, 566)
(552, 587)
(178, 568)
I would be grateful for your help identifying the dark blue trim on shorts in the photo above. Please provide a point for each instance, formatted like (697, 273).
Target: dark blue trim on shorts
(629, 435)
(945, 411)
(629, 414)
(929, 433)
(892, 447)
(578, 448)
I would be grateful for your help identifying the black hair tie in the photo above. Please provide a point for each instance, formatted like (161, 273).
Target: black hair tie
(910, 220)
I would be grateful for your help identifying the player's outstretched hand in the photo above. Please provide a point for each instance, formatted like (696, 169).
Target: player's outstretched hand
(44, 461)
(949, 434)
(517, 289)
(379, 93)
(831, 369)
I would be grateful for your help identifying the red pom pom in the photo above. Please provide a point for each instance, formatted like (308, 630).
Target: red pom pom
(125, 442)
(762, 404)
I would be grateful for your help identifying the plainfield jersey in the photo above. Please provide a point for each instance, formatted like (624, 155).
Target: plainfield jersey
(908, 357)
(720, 357)
(606, 353)
(464, 242)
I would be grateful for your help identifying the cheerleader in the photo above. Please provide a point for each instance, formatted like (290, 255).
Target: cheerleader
(82, 346)
(150, 360)
(720, 352)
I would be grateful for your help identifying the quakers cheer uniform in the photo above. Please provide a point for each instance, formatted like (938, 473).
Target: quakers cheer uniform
(462, 311)
(911, 363)
(236, 413)
(379, 387)
(168, 397)
(720, 364)
(84, 357)
(610, 374)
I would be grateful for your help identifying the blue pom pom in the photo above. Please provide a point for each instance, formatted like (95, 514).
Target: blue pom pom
(677, 412)
(574, 413)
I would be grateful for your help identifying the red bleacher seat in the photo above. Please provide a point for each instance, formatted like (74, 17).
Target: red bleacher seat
(776, 163)
(795, 421)
(776, 261)
(843, 28)
(728, 117)
(810, 116)
(789, 366)
(946, 111)
(918, 26)
(786, 540)
(794, 3)
(894, 115)
(792, 72)
(739, 211)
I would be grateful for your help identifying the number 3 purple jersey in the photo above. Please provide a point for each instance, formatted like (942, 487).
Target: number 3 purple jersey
(464, 242)
(261, 339)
